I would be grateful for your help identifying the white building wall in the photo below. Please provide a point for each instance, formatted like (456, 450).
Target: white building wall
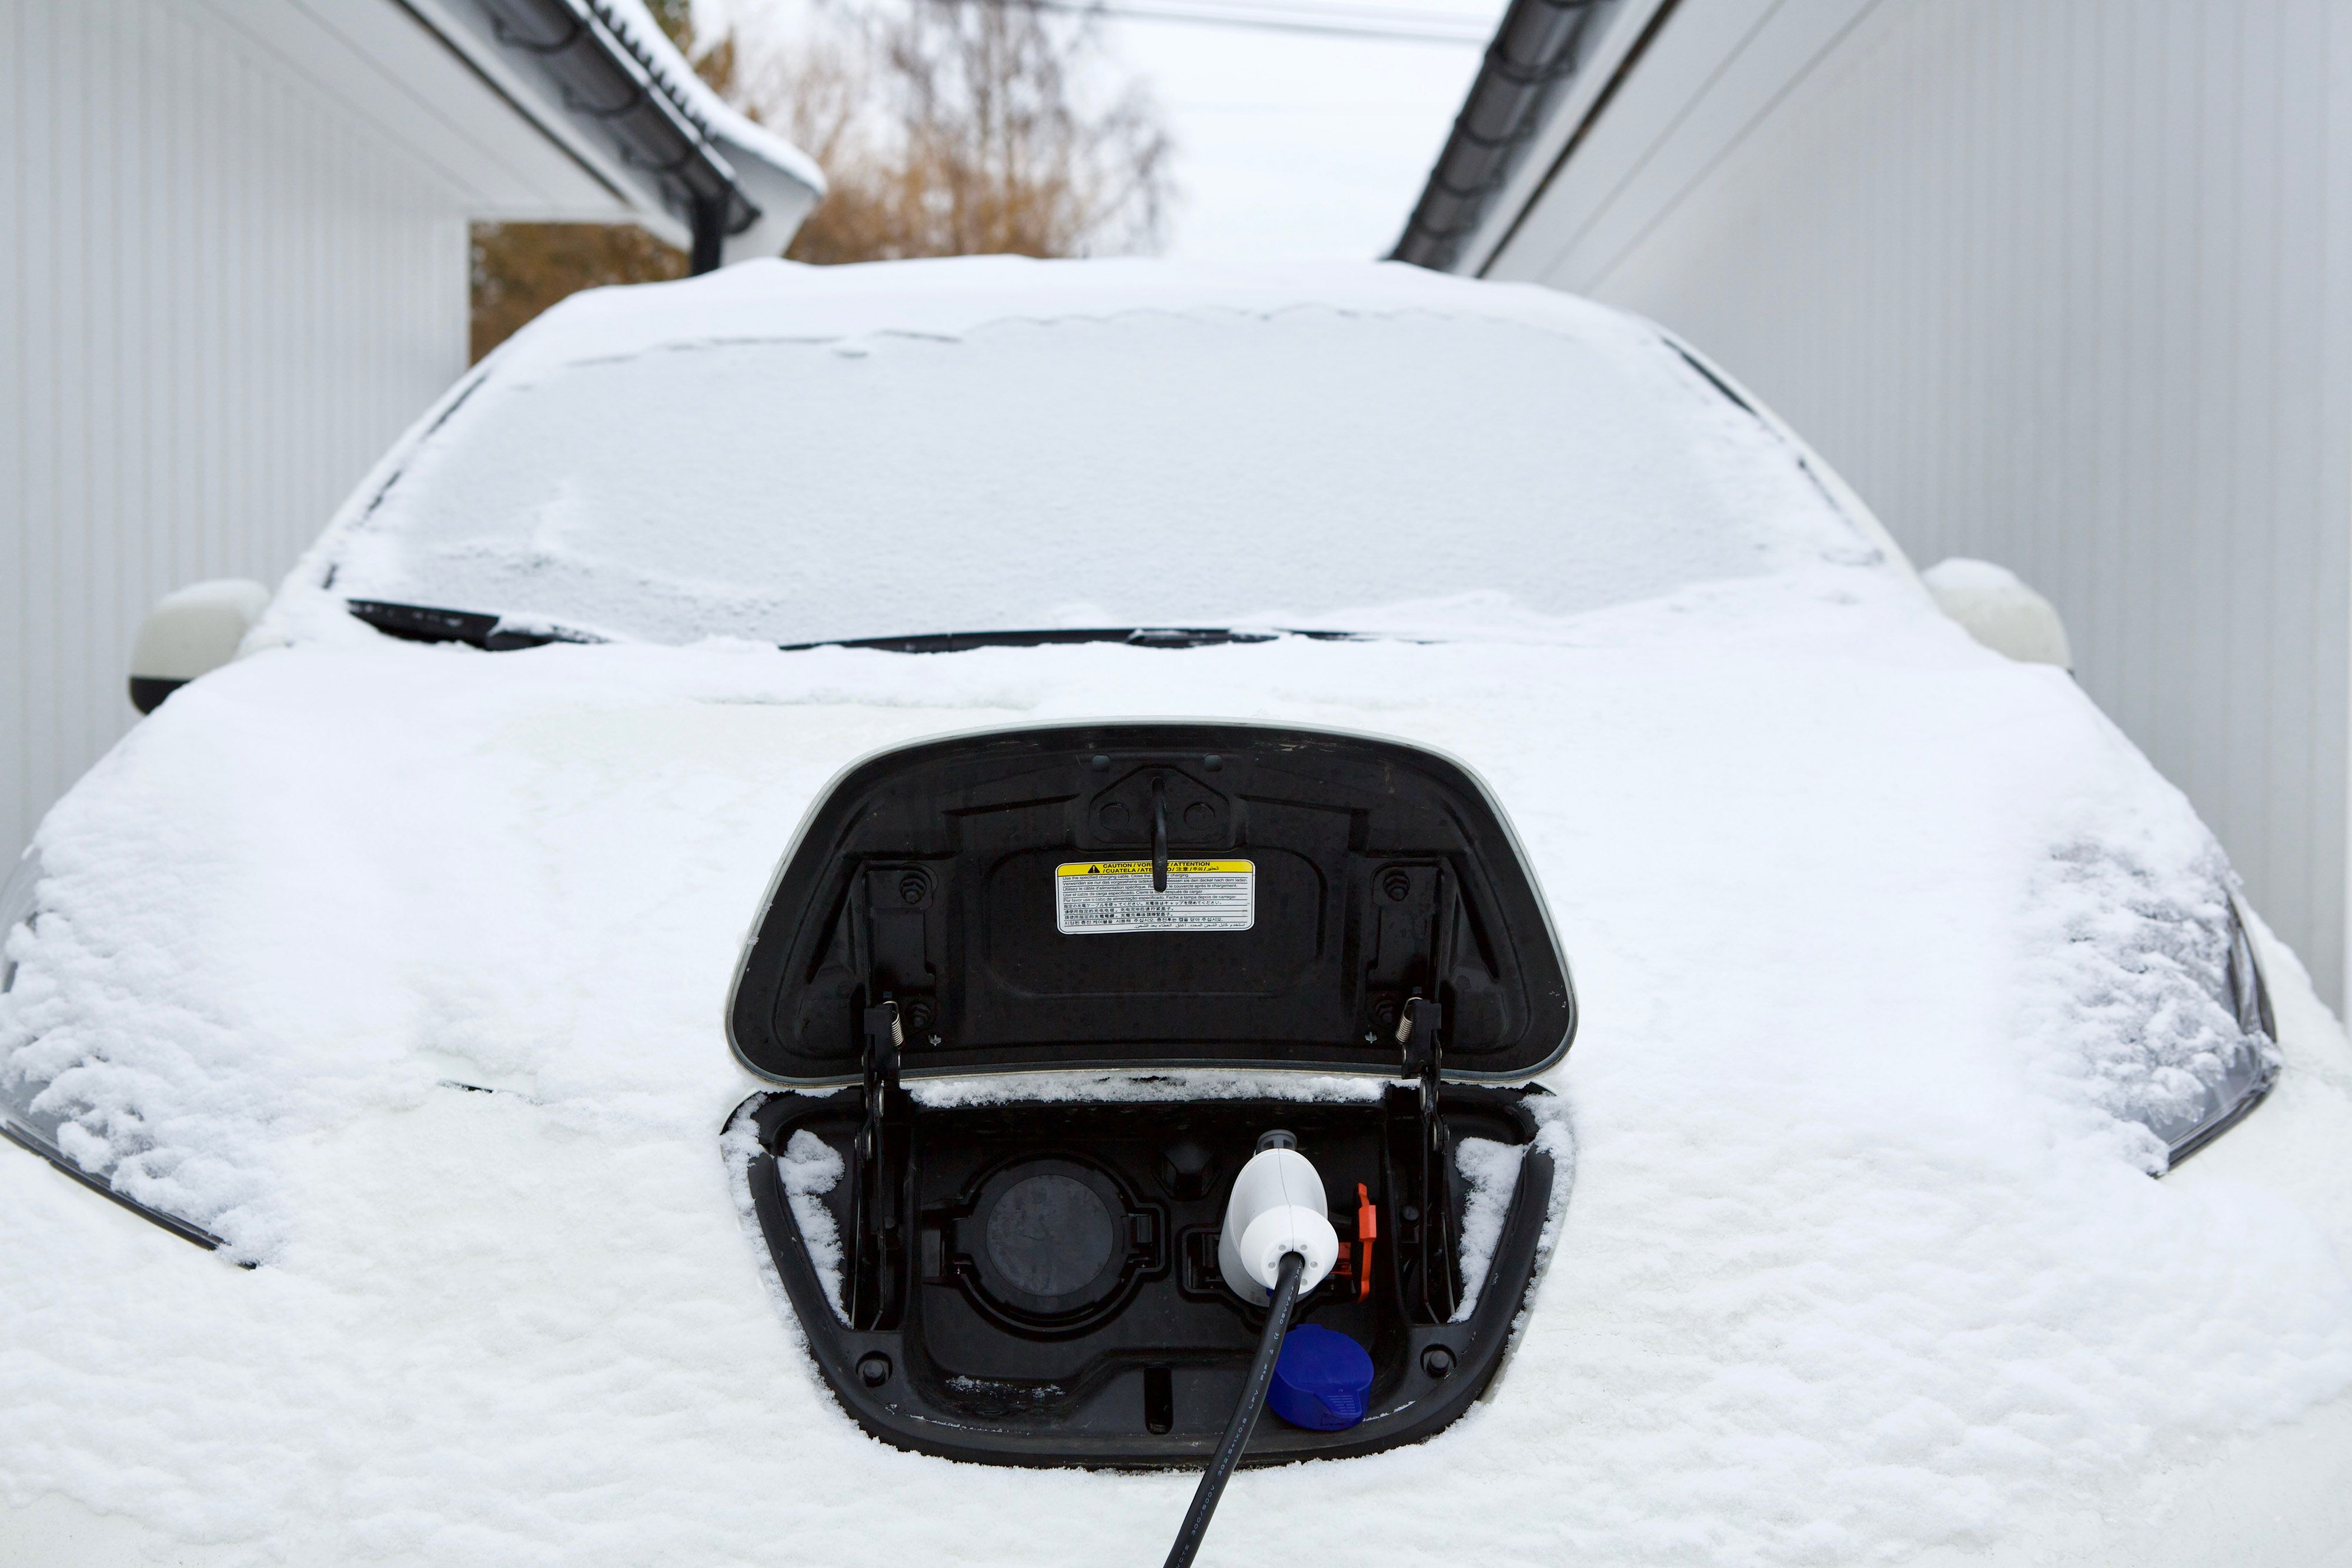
(2064, 283)
(221, 297)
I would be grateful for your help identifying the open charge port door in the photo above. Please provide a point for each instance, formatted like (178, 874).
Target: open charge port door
(1035, 1280)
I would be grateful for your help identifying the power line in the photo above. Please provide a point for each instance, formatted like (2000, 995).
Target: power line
(1410, 27)
(1409, 35)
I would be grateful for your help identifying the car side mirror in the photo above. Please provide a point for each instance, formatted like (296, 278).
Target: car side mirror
(2000, 610)
(190, 634)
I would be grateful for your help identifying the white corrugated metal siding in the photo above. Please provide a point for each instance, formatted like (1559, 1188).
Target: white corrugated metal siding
(2064, 284)
(227, 280)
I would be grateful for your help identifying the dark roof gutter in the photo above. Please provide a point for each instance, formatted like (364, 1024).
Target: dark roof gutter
(1538, 50)
(599, 73)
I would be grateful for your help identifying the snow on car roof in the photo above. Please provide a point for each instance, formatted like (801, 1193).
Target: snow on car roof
(793, 454)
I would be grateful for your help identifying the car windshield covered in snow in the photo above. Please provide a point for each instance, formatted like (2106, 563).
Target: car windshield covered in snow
(807, 456)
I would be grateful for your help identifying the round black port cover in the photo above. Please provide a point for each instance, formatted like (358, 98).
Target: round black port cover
(1050, 1237)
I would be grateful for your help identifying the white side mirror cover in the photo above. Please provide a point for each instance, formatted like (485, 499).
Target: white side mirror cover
(2000, 612)
(190, 634)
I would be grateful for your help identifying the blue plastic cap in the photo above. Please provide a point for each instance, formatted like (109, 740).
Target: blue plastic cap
(1320, 1379)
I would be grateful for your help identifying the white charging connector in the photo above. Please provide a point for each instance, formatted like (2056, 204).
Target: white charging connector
(1278, 1245)
(1278, 1207)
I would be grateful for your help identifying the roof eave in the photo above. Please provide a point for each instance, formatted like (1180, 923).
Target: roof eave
(614, 101)
(1550, 70)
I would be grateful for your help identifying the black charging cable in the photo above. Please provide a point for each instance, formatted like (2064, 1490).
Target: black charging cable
(1245, 1415)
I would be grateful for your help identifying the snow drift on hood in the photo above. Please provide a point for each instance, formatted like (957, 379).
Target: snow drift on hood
(1855, 1263)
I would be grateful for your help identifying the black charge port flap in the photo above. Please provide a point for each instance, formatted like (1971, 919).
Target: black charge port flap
(1151, 895)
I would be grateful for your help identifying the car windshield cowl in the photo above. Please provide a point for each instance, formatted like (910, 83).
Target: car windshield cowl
(498, 634)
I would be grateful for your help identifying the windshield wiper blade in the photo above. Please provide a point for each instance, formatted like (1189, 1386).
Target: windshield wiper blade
(427, 623)
(431, 623)
(1132, 636)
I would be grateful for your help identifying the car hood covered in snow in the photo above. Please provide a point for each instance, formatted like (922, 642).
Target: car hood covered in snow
(401, 969)
(1858, 1258)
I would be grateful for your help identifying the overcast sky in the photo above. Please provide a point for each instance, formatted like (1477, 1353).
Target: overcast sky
(1287, 144)
(1295, 145)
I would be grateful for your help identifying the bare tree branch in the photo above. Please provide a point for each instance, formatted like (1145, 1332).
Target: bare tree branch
(944, 129)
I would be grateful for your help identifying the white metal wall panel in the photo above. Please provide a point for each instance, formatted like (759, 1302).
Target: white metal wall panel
(220, 299)
(2064, 284)
(402, 83)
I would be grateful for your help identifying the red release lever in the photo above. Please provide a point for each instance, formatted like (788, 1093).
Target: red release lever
(1368, 1226)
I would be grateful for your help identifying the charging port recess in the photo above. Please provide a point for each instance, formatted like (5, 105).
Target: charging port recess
(1026, 1280)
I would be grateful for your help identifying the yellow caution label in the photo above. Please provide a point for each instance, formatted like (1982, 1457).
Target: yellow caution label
(1100, 897)
(1143, 868)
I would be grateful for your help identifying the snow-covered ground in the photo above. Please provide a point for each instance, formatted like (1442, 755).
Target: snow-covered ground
(1880, 941)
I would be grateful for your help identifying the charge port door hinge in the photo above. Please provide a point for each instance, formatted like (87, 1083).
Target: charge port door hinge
(877, 1279)
(1420, 1034)
(886, 1039)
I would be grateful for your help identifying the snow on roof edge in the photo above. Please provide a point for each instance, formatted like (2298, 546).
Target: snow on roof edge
(737, 130)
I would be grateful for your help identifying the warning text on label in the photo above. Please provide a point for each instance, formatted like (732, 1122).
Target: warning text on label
(1095, 897)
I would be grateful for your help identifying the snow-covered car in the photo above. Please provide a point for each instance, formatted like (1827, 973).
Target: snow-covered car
(581, 974)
